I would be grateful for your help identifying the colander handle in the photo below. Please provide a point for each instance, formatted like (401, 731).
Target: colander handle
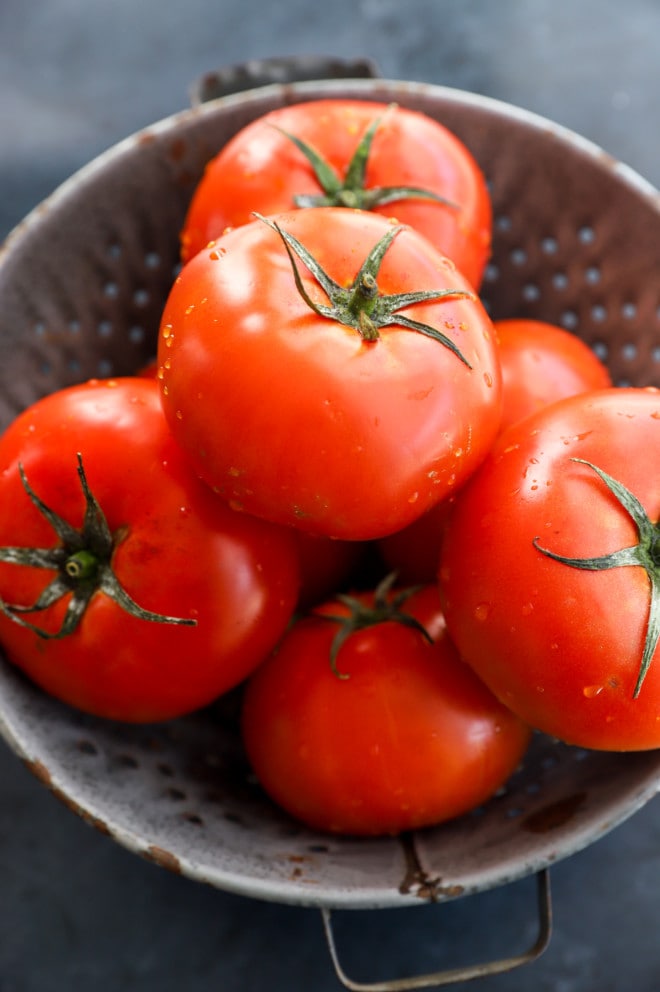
(460, 974)
(278, 69)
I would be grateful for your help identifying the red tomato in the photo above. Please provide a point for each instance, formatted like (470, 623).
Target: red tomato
(542, 363)
(404, 736)
(300, 418)
(171, 545)
(261, 168)
(535, 595)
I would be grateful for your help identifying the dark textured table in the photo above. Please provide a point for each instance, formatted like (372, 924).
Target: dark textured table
(77, 910)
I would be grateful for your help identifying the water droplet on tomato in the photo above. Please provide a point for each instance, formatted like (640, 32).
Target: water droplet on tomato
(488, 379)
(527, 609)
(482, 612)
(591, 691)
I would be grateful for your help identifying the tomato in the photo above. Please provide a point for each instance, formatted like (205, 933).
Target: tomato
(263, 168)
(402, 735)
(535, 592)
(343, 423)
(542, 362)
(225, 583)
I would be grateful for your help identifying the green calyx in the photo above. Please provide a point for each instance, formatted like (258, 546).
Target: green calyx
(82, 563)
(645, 554)
(385, 608)
(361, 305)
(350, 190)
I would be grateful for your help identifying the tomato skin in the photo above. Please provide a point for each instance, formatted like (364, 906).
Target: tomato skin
(292, 416)
(410, 738)
(261, 169)
(541, 363)
(184, 553)
(560, 645)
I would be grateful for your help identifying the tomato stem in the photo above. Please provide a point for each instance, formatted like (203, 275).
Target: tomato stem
(385, 608)
(362, 306)
(82, 563)
(351, 190)
(644, 554)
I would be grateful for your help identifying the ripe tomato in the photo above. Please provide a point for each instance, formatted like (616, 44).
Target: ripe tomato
(543, 593)
(404, 735)
(262, 168)
(169, 544)
(542, 363)
(313, 419)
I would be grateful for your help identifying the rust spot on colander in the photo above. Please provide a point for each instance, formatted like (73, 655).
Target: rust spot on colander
(554, 815)
(40, 771)
(163, 858)
(418, 882)
(177, 150)
(93, 821)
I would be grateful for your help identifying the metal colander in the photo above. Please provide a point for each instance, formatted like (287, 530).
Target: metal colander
(82, 283)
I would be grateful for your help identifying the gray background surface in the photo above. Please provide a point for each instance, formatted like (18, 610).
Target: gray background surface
(76, 910)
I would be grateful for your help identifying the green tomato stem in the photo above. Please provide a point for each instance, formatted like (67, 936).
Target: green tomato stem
(82, 563)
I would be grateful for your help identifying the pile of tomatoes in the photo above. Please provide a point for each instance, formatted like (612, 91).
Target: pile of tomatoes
(409, 535)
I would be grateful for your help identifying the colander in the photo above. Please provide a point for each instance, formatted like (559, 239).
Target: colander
(82, 282)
